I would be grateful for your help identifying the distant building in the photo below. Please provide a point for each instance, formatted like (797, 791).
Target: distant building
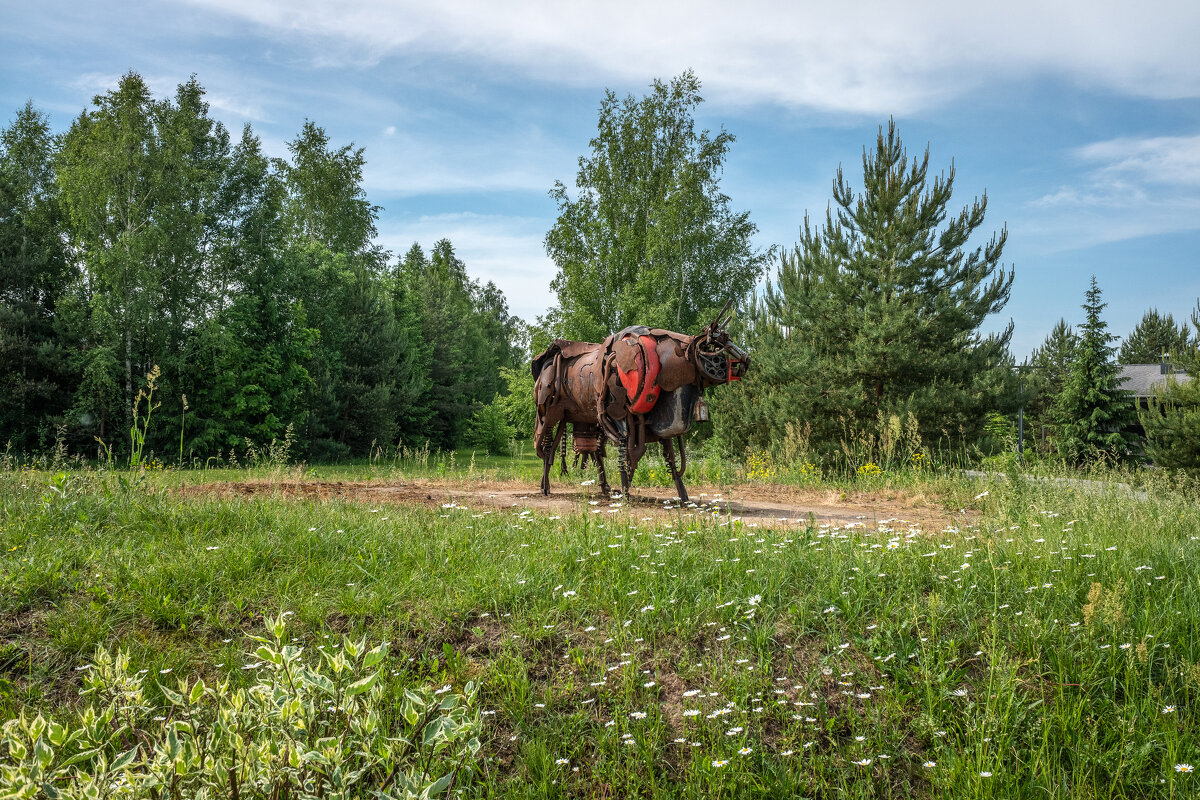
(1143, 380)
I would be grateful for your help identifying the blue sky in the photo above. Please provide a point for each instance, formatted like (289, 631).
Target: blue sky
(1081, 120)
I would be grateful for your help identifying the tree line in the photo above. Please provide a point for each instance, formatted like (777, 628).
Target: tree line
(144, 237)
(147, 240)
(866, 342)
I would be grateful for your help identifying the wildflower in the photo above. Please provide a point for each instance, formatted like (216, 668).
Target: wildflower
(562, 762)
(733, 731)
(864, 762)
(1184, 768)
(985, 774)
(745, 751)
(1168, 709)
(755, 600)
(638, 714)
(787, 752)
(691, 712)
(929, 764)
(720, 762)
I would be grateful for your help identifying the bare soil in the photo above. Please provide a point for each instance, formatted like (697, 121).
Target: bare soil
(766, 504)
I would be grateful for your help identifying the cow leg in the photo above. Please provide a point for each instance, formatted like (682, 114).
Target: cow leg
(635, 453)
(599, 458)
(669, 456)
(623, 466)
(548, 455)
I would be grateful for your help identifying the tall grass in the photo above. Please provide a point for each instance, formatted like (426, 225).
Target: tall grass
(1042, 646)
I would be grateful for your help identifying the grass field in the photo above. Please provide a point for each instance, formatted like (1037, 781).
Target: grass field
(1047, 644)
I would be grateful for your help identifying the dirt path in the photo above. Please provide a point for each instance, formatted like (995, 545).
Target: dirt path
(763, 503)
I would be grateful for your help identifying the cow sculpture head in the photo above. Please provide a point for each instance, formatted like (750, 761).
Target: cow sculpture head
(718, 359)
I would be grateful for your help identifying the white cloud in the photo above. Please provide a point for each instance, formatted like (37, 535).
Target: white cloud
(164, 85)
(220, 102)
(1131, 187)
(505, 250)
(870, 56)
(1169, 160)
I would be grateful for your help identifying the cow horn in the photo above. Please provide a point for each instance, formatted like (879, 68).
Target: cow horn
(719, 322)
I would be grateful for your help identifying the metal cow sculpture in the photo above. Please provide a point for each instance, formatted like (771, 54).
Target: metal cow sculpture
(639, 386)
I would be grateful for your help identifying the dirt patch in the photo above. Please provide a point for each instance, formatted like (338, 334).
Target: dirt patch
(761, 504)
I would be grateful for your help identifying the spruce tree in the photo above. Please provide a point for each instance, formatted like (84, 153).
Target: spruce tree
(1095, 415)
(1156, 335)
(878, 311)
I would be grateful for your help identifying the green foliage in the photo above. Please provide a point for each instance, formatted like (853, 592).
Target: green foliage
(325, 729)
(1172, 425)
(325, 201)
(1047, 372)
(256, 285)
(489, 428)
(140, 181)
(876, 315)
(650, 238)
(37, 371)
(1156, 336)
(254, 351)
(1095, 415)
(519, 408)
(469, 335)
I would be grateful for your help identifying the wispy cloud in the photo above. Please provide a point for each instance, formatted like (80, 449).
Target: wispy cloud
(223, 103)
(406, 164)
(870, 56)
(503, 249)
(1130, 187)
(1161, 160)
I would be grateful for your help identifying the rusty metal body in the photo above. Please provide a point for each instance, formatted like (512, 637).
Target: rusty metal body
(637, 387)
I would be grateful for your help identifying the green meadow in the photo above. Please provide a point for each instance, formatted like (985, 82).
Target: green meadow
(1046, 644)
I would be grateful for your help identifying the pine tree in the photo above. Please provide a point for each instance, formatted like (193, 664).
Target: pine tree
(1172, 425)
(1095, 415)
(1154, 336)
(878, 312)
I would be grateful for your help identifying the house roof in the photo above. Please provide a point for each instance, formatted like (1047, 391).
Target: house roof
(1143, 379)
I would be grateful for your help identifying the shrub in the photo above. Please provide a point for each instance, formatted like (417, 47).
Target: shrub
(301, 731)
(489, 428)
